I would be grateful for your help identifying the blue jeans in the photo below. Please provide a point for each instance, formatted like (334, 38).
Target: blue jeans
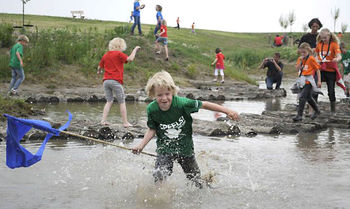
(17, 78)
(276, 79)
(156, 29)
(138, 23)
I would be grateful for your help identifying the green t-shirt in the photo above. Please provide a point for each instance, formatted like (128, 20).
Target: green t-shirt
(174, 126)
(345, 60)
(14, 61)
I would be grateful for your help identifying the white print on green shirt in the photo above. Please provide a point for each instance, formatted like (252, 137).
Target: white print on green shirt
(173, 130)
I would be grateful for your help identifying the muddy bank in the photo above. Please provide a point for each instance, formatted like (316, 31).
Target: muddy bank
(269, 122)
(201, 90)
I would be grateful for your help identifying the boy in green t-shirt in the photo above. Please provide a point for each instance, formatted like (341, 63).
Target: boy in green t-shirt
(345, 67)
(169, 117)
(16, 64)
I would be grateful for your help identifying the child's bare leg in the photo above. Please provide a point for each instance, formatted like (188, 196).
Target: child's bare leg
(166, 51)
(106, 110)
(123, 113)
(157, 48)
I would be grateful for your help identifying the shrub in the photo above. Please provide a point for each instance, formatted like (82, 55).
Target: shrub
(6, 31)
(191, 71)
(5, 72)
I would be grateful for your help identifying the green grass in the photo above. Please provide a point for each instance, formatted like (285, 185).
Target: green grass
(14, 107)
(58, 42)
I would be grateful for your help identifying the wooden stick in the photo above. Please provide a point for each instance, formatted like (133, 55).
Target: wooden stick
(104, 142)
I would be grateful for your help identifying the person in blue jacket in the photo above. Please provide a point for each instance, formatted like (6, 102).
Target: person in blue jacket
(136, 15)
(159, 17)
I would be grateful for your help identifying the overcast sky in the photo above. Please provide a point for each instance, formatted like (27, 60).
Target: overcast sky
(225, 15)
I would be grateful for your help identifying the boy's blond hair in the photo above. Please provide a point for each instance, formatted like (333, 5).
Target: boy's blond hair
(117, 44)
(326, 31)
(164, 22)
(306, 46)
(161, 79)
(23, 38)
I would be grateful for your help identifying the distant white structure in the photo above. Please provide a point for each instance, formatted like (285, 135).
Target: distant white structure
(80, 13)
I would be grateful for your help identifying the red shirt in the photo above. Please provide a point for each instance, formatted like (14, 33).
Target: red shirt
(113, 63)
(220, 61)
(278, 40)
(164, 29)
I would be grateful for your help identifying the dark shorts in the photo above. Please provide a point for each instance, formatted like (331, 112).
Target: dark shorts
(164, 167)
(163, 40)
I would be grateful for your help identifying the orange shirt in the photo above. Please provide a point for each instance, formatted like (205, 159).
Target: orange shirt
(322, 52)
(310, 65)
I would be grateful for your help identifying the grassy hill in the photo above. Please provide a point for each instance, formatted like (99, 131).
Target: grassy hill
(66, 51)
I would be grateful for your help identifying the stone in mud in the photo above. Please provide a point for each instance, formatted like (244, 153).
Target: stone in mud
(31, 100)
(106, 133)
(93, 98)
(54, 100)
(128, 136)
(221, 98)
(251, 134)
(91, 133)
(56, 125)
(76, 99)
(190, 96)
(211, 97)
(234, 131)
(43, 99)
(275, 130)
(217, 132)
(102, 99)
(130, 98)
(200, 98)
(37, 136)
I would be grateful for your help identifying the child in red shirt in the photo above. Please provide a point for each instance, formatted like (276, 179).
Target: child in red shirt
(219, 60)
(113, 64)
(163, 38)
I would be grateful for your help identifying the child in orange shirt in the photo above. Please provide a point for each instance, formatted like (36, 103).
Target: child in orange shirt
(307, 67)
(328, 54)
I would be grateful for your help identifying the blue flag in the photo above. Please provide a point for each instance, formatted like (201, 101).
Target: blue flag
(16, 154)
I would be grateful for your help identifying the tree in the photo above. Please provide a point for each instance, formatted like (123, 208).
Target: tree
(344, 26)
(291, 19)
(283, 22)
(335, 15)
(305, 27)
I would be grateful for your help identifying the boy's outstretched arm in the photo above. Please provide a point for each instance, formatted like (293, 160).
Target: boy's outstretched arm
(218, 108)
(133, 54)
(150, 133)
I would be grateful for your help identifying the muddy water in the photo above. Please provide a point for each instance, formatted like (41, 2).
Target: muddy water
(286, 171)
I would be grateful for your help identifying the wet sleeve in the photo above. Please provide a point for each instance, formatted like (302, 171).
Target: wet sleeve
(191, 106)
(150, 122)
